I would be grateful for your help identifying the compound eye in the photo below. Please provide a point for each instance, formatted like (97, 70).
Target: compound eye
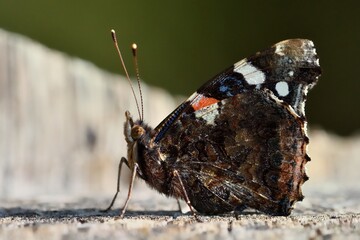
(137, 131)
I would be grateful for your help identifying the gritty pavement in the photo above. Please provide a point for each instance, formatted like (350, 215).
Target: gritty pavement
(319, 216)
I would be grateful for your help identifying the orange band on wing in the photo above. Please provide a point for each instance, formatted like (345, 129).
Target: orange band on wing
(203, 102)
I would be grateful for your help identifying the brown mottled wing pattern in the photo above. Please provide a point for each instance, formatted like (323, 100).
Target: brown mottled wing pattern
(247, 158)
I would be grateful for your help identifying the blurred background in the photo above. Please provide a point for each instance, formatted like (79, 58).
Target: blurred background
(184, 43)
(61, 117)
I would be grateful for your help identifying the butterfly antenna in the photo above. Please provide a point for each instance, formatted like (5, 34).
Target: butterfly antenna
(134, 52)
(113, 35)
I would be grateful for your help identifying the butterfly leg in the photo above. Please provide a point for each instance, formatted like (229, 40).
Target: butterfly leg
(186, 197)
(133, 175)
(123, 160)
(238, 210)
(179, 205)
(230, 226)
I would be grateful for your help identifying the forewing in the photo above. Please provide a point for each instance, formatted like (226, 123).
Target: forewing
(288, 69)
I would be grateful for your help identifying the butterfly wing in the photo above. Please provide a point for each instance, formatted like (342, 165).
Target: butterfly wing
(289, 69)
(240, 140)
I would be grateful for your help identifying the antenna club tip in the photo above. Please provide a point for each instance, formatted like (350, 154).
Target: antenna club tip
(113, 34)
(134, 49)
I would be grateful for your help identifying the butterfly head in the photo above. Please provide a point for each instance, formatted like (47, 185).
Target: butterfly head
(133, 131)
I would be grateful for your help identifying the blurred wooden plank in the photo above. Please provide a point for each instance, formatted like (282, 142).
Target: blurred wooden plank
(61, 121)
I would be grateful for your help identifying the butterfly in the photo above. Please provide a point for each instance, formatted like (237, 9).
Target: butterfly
(238, 142)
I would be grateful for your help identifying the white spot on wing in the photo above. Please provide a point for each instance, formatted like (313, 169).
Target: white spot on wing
(297, 96)
(302, 104)
(299, 103)
(279, 49)
(282, 88)
(252, 75)
(208, 114)
(193, 96)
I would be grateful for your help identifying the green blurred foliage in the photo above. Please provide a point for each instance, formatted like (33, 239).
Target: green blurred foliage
(184, 43)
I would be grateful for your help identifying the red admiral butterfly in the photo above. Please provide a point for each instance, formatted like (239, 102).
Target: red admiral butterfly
(239, 141)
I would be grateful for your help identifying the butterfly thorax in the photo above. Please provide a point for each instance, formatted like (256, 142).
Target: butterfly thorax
(144, 153)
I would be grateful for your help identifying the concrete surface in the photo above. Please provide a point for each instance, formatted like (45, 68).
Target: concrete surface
(319, 216)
